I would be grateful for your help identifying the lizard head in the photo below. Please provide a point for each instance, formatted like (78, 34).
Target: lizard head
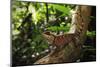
(48, 36)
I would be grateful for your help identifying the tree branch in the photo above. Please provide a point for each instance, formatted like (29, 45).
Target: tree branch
(70, 53)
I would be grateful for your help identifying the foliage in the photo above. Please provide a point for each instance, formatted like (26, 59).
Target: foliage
(60, 28)
(29, 20)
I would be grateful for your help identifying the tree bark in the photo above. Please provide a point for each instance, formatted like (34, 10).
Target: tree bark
(70, 53)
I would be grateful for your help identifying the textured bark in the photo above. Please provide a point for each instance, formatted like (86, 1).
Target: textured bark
(70, 53)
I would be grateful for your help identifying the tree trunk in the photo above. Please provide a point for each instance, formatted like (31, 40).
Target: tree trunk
(71, 53)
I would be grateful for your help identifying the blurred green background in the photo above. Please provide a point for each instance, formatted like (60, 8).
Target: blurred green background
(30, 19)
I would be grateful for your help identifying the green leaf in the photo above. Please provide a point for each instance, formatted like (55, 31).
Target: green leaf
(63, 9)
(53, 28)
(57, 28)
(92, 33)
